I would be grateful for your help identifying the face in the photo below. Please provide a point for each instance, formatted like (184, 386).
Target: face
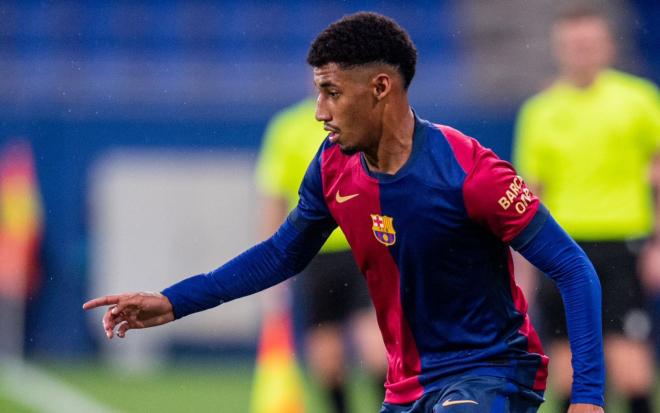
(347, 106)
(582, 46)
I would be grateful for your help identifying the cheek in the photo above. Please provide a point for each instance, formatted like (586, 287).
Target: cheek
(359, 113)
(359, 124)
(346, 117)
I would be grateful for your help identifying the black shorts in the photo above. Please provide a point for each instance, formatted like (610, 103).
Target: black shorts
(624, 304)
(330, 290)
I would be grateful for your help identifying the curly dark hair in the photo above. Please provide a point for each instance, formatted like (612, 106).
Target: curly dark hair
(364, 38)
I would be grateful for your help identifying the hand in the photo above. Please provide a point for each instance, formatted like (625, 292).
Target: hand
(132, 310)
(585, 408)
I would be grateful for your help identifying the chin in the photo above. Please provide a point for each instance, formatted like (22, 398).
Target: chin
(348, 150)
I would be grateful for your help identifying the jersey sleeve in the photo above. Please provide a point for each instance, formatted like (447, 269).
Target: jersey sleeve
(494, 195)
(650, 114)
(497, 197)
(552, 251)
(282, 256)
(271, 171)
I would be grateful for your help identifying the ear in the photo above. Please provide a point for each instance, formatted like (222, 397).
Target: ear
(382, 85)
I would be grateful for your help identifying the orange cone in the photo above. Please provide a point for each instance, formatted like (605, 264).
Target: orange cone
(278, 384)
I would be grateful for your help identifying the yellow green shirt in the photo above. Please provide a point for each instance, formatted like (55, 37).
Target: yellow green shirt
(291, 140)
(590, 150)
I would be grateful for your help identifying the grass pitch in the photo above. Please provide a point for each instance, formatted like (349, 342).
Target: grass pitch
(215, 386)
(184, 387)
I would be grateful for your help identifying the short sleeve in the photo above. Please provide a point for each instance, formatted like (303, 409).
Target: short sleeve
(527, 150)
(497, 197)
(270, 174)
(650, 112)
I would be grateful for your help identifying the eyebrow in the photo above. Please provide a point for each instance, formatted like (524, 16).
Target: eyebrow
(326, 83)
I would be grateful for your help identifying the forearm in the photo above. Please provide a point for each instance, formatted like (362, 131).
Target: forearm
(254, 270)
(552, 251)
(282, 256)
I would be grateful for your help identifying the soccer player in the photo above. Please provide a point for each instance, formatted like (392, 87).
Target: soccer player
(430, 215)
(331, 289)
(585, 145)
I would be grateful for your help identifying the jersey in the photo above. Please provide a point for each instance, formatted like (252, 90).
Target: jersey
(291, 140)
(433, 243)
(590, 151)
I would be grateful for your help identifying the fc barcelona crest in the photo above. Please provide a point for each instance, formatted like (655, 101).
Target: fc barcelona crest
(383, 228)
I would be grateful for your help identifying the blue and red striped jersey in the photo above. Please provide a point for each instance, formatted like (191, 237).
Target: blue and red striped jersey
(432, 241)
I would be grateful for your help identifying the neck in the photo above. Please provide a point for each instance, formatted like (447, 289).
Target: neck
(581, 80)
(396, 141)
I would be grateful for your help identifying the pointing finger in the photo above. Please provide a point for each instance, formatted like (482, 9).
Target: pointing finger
(101, 301)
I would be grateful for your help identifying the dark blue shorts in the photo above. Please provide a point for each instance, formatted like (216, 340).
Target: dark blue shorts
(471, 394)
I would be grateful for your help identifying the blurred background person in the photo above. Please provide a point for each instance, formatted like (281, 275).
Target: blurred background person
(331, 295)
(586, 145)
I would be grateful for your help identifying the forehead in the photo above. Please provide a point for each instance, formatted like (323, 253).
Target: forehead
(593, 25)
(334, 74)
(330, 73)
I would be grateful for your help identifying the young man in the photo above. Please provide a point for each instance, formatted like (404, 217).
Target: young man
(331, 290)
(585, 145)
(429, 214)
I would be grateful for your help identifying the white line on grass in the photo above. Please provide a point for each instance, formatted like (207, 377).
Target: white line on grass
(34, 388)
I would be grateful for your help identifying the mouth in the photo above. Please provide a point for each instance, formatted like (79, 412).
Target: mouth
(334, 132)
(330, 128)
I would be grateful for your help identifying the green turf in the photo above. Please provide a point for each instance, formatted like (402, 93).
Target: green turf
(199, 388)
(213, 387)
(8, 405)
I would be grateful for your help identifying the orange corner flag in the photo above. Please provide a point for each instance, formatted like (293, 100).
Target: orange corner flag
(278, 384)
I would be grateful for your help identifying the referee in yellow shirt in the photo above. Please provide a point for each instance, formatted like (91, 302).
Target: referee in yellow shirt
(332, 288)
(586, 145)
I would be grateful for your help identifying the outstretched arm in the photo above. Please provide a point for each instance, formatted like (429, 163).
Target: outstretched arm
(282, 256)
(278, 258)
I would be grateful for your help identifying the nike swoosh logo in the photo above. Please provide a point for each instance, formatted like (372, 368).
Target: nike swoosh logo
(453, 402)
(341, 199)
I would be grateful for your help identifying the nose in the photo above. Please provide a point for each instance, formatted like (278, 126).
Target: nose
(322, 114)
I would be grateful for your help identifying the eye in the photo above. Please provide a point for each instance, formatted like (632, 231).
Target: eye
(333, 94)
